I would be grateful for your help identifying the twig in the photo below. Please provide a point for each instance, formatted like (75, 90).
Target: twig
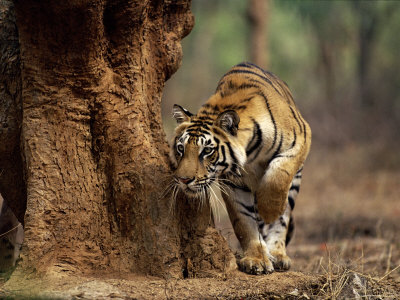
(5, 233)
(389, 258)
(388, 273)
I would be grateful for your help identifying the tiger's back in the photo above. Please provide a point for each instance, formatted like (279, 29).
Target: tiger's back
(259, 142)
(270, 123)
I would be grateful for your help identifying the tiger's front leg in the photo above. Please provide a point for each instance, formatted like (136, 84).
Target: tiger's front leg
(282, 175)
(245, 221)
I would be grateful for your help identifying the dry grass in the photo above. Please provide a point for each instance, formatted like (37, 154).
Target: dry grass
(347, 224)
(340, 281)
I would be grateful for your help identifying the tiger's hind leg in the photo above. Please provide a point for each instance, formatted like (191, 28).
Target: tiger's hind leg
(280, 231)
(276, 240)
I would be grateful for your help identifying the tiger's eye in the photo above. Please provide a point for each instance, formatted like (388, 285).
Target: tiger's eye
(180, 148)
(208, 150)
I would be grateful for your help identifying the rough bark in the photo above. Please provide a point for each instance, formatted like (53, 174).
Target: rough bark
(204, 251)
(93, 148)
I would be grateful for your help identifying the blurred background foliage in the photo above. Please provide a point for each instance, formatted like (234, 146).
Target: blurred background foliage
(340, 59)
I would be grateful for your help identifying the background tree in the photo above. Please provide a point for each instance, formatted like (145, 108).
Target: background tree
(257, 12)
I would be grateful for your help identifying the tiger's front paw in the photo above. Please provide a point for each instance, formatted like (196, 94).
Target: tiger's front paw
(282, 262)
(277, 249)
(256, 265)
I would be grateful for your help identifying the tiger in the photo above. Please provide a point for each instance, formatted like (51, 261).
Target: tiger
(250, 140)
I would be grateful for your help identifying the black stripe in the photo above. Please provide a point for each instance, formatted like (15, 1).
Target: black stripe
(294, 140)
(218, 130)
(253, 137)
(265, 72)
(256, 139)
(291, 202)
(290, 230)
(251, 65)
(285, 155)
(246, 99)
(245, 86)
(272, 119)
(229, 106)
(221, 82)
(232, 154)
(231, 85)
(295, 117)
(305, 130)
(211, 169)
(202, 120)
(197, 130)
(270, 74)
(282, 221)
(243, 64)
(232, 88)
(223, 163)
(188, 113)
(199, 125)
(303, 123)
(243, 188)
(247, 207)
(276, 151)
(253, 73)
(295, 187)
(207, 105)
(207, 113)
(249, 215)
(286, 90)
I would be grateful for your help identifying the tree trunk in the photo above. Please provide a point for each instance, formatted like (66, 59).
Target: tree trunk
(94, 153)
(258, 15)
(327, 62)
(366, 37)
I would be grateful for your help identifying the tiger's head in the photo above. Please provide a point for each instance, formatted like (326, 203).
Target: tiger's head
(204, 148)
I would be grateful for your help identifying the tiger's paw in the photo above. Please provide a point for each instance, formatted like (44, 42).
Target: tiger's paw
(282, 262)
(255, 265)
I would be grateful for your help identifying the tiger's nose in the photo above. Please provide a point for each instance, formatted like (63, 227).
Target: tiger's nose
(186, 180)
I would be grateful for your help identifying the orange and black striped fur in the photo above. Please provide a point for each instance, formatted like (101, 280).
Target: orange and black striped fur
(250, 139)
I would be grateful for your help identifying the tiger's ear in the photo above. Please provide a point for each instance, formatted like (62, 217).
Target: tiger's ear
(180, 114)
(228, 121)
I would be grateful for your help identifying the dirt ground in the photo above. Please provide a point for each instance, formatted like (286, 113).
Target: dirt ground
(346, 244)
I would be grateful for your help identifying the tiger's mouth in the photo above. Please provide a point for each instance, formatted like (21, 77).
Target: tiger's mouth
(197, 188)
